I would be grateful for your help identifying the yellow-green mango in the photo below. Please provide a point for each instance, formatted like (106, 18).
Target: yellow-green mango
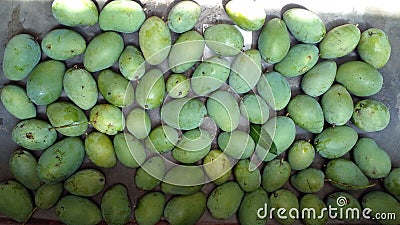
(185, 210)
(100, 150)
(374, 47)
(237, 144)
(61, 160)
(129, 150)
(224, 201)
(16, 201)
(274, 41)
(138, 123)
(306, 113)
(193, 146)
(107, 119)
(45, 82)
(217, 166)
(122, 16)
(67, 118)
(370, 115)
(34, 134)
(248, 15)
(183, 180)
(150, 91)
(150, 174)
(305, 25)
(21, 54)
(359, 78)
(63, 44)
(392, 182)
(76, 210)
(382, 203)
(131, 63)
(285, 199)
(75, 12)
(339, 41)
(249, 210)
(154, 40)
(87, 182)
(223, 108)
(115, 88)
(275, 90)
(178, 86)
(317, 213)
(115, 205)
(282, 130)
(319, 79)
(22, 165)
(254, 108)
(245, 71)
(16, 102)
(346, 202)
(300, 155)
(309, 180)
(337, 105)
(162, 139)
(224, 39)
(150, 208)
(48, 195)
(247, 175)
(275, 174)
(183, 16)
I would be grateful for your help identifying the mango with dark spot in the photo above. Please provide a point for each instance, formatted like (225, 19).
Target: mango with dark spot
(76, 210)
(115, 205)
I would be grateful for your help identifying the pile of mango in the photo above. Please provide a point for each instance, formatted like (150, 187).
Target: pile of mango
(101, 112)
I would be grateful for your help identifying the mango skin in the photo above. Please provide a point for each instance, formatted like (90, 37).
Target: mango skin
(337, 105)
(224, 39)
(76, 210)
(21, 54)
(319, 79)
(86, 182)
(309, 180)
(150, 174)
(121, 16)
(115, 88)
(150, 208)
(274, 41)
(34, 134)
(115, 205)
(247, 175)
(246, 14)
(61, 160)
(282, 130)
(67, 118)
(185, 210)
(138, 123)
(381, 202)
(178, 86)
(392, 182)
(283, 198)
(275, 174)
(370, 115)
(183, 16)
(371, 159)
(301, 155)
(275, 90)
(131, 63)
(351, 202)
(183, 180)
(179, 59)
(224, 200)
(345, 175)
(313, 201)
(237, 144)
(45, 82)
(16, 102)
(150, 91)
(129, 150)
(63, 44)
(154, 40)
(254, 108)
(193, 146)
(335, 142)
(374, 47)
(47, 195)
(22, 165)
(340, 41)
(306, 113)
(359, 78)
(300, 59)
(100, 150)
(107, 119)
(16, 201)
(223, 108)
(85, 12)
(162, 139)
(304, 25)
(80, 87)
(251, 202)
(217, 166)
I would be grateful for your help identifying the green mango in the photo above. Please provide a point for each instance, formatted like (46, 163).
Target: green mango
(150, 91)
(115, 205)
(183, 16)
(193, 146)
(275, 174)
(283, 198)
(61, 160)
(22, 165)
(359, 78)
(248, 15)
(274, 41)
(162, 139)
(76, 210)
(275, 90)
(392, 182)
(265, 148)
(223, 108)
(122, 16)
(21, 54)
(301, 155)
(154, 40)
(34, 134)
(335, 142)
(100, 150)
(179, 59)
(16, 201)
(249, 210)
(319, 79)
(107, 119)
(45, 82)
(254, 108)
(305, 26)
(185, 210)
(103, 51)
(315, 209)
(306, 113)
(67, 118)
(224, 39)
(131, 63)
(346, 175)
(247, 175)
(374, 47)
(115, 88)
(340, 41)
(371, 159)
(282, 130)
(75, 13)
(150, 208)
(63, 44)
(16, 102)
(245, 71)
(370, 115)
(138, 123)
(178, 86)
(129, 150)
(224, 201)
(80, 87)
(185, 113)
(382, 203)
(183, 180)
(265, 155)
(345, 202)
(210, 75)
(48, 195)
(237, 144)
(217, 167)
(150, 174)
(337, 105)
(309, 180)
(300, 59)
(87, 182)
